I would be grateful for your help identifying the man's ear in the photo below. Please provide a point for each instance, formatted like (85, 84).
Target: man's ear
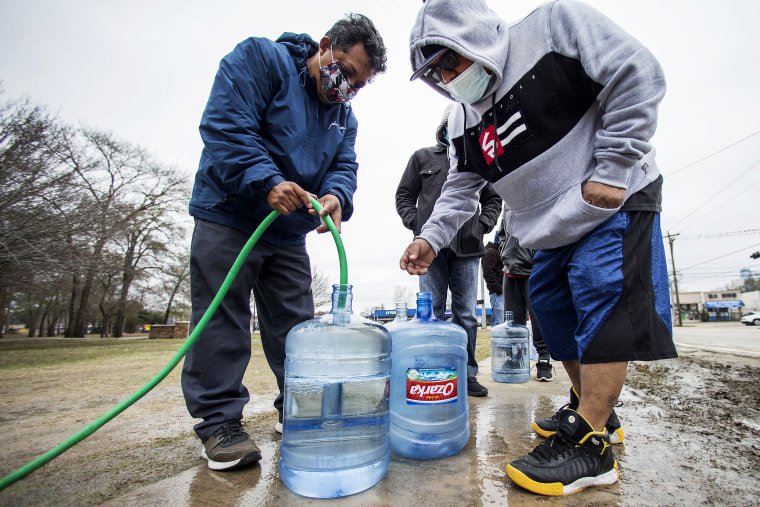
(324, 45)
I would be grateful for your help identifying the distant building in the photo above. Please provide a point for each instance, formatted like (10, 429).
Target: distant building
(382, 315)
(729, 304)
(751, 301)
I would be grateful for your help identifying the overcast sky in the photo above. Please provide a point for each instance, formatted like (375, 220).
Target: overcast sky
(143, 70)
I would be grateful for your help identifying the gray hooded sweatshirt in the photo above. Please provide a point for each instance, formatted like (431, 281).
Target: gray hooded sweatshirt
(573, 98)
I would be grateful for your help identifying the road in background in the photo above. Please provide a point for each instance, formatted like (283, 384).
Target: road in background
(732, 338)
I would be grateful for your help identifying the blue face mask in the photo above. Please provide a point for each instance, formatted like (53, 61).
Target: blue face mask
(469, 86)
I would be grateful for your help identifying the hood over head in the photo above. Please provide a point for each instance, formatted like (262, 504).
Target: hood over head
(300, 46)
(468, 27)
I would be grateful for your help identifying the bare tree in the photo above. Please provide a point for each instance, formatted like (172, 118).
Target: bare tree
(31, 185)
(108, 302)
(54, 311)
(176, 278)
(70, 201)
(129, 196)
(146, 237)
(321, 288)
(402, 293)
(41, 296)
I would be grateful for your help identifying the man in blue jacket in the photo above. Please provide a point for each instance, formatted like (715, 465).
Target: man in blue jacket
(277, 129)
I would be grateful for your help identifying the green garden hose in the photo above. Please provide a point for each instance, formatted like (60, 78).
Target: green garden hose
(95, 425)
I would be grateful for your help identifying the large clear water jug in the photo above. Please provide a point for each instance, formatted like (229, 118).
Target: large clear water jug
(510, 352)
(336, 410)
(429, 407)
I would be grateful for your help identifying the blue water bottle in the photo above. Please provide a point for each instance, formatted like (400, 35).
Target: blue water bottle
(510, 352)
(429, 407)
(336, 410)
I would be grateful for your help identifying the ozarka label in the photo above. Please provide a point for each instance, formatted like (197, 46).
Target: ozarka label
(431, 386)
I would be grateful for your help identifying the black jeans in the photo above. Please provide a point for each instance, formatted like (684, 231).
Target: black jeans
(460, 275)
(280, 278)
(517, 301)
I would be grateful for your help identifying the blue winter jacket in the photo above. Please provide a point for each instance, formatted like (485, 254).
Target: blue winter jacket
(264, 124)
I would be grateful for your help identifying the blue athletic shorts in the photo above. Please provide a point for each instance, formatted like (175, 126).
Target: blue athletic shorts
(605, 298)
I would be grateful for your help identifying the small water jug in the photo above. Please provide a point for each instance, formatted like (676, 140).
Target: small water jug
(336, 414)
(510, 352)
(429, 407)
(401, 315)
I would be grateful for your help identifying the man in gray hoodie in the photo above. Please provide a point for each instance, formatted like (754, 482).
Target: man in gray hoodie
(557, 112)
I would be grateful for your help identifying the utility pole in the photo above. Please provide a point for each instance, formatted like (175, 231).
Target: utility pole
(671, 239)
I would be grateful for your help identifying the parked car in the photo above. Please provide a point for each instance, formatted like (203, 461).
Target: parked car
(751, 319)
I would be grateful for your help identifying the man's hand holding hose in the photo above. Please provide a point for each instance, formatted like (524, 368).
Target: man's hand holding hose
(287, 196)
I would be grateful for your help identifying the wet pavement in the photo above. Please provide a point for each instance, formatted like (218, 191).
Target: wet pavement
(656, 466)
(500, 432)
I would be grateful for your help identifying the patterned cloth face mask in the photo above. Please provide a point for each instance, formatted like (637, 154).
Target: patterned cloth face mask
(335, 84)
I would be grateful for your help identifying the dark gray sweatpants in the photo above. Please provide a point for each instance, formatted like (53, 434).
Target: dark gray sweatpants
(280, 278)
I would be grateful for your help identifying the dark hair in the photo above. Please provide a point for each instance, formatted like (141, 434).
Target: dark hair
(356, 28)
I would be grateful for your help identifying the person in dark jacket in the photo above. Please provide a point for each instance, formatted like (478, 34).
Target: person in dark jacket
(518, 264)
(277, 130)
(493, 273)
(455, 267)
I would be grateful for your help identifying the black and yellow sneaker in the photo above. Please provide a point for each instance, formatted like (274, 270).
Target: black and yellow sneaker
(230, 447)
(574, 458)
(547, 426)
(614, 428)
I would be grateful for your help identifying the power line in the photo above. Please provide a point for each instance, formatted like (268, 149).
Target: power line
(745, 232)
(711, 154)
(721, 257)
(701, 206)
(703, 275)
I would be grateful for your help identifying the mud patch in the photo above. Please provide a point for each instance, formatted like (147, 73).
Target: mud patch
(703, 428)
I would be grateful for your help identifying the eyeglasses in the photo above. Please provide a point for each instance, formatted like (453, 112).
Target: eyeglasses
(448, 61)
(344, 73)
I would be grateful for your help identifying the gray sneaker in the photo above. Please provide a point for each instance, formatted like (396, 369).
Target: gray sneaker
(229, 447)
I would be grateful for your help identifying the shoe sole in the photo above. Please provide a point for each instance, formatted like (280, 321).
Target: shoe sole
(544, 379)
(559, 489)
(616, 437)
(278, 427)
(247, 459)
(478, 394)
